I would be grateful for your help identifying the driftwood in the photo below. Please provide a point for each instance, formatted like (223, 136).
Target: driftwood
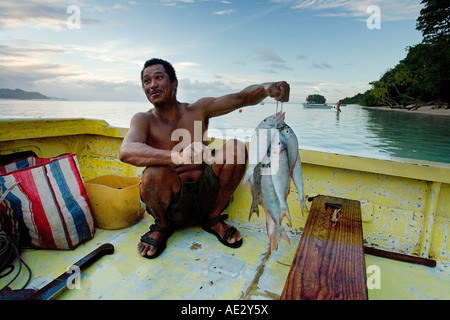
(434, 104)
(418, 104)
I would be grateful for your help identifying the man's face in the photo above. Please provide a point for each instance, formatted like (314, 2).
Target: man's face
(157, 86)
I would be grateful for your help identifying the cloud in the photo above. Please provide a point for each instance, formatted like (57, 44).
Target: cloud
(267, 53)
(175, 2)
(23, 67)
(321, 65)
(185, 65)
(94, 89)
(102, 9)
(192, 90)
(280, 66)
(49, 15)
(391, 10)
(224, 12)
(36, 66)
(274, 62)
(14, 52)
(42, 14)
(119, 6)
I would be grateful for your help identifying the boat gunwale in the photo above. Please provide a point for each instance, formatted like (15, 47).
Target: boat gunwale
(22, 129)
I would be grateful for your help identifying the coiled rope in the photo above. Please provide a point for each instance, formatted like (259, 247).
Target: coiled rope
(8, 254)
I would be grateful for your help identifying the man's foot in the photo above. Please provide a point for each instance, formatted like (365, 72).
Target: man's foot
(154, 241)
(229, 236)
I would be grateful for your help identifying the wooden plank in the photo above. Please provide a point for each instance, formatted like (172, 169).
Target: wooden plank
(329, 263)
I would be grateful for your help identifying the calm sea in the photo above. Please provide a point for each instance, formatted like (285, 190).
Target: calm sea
(358, 131)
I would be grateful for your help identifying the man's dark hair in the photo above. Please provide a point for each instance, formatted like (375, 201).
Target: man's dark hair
(167, 67)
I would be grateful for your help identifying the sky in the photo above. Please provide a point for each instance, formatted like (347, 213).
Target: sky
(95, 50)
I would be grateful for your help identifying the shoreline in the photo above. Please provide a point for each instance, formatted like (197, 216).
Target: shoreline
(424, 110)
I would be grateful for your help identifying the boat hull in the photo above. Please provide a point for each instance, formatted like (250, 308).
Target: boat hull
(404, 205)
(317, 106)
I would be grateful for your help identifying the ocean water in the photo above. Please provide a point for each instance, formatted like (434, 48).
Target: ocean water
(359, 131)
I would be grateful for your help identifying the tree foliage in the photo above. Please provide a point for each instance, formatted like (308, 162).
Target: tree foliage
(316, 98)
(424, 75)
(434, 20)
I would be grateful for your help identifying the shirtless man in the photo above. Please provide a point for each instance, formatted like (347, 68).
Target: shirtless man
(184, 184)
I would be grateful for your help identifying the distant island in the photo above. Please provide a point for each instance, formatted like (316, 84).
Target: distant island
(21, 95)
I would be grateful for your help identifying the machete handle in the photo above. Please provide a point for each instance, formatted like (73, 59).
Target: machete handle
(92, 257)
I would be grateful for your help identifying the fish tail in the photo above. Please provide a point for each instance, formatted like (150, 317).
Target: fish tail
(274, 239)
(253, 210)
(272, 232)
(283, 234)
(276, 233)
(304, 207)
(247, 178)
(285, 213)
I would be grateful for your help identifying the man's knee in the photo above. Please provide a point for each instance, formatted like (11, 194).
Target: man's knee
(157, 180)
(231, 160)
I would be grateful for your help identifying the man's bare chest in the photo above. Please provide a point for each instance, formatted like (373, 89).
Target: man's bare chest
(169, 135)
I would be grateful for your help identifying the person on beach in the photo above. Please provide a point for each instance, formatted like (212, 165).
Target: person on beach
(186, 183)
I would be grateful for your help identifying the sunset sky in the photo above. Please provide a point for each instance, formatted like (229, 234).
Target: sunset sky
(217, 47)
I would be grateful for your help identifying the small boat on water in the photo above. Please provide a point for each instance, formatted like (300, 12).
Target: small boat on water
(405, 210)
(317, 106)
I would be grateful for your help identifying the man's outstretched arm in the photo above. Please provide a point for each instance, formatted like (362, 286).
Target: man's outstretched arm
(252, 95)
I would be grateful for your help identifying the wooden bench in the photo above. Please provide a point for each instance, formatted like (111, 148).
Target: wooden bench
(329, 263)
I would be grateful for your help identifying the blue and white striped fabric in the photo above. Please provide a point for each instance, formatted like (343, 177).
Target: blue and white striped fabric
(46, 202)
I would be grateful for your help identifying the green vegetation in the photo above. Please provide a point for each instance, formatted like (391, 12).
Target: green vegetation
(316, 99)
(424, 75)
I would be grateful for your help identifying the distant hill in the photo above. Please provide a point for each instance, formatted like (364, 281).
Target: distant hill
(20, 95)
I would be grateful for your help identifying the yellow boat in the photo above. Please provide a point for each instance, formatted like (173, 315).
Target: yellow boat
(404, 204)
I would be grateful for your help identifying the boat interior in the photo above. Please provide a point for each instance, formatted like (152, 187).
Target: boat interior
(404, 210)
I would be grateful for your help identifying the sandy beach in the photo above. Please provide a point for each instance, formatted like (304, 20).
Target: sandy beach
(425, 109)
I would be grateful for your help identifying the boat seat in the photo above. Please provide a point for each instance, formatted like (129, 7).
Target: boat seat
(329, 263)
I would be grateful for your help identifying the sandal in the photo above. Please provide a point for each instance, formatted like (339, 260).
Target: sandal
(159, 245)
(231, 230)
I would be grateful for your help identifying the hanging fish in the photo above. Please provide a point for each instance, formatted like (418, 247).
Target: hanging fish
(273, 160)
(290, 140)
(280, 174)
(260, 142)
(271, 205)
(256, 191)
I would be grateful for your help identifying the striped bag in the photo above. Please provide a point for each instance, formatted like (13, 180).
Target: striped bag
(45, 202)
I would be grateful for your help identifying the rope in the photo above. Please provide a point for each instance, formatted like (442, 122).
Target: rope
(8, 254)
(336, 216)
(281, 107)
